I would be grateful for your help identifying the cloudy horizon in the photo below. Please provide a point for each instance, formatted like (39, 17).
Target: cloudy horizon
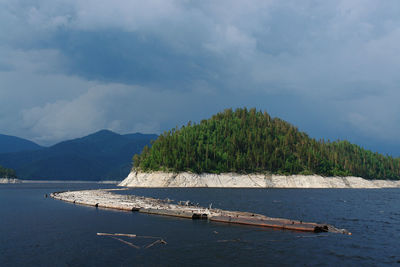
(70, 68)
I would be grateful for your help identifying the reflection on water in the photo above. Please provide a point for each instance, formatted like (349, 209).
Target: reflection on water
(39, 231)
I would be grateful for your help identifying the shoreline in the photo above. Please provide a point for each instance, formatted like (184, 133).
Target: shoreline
(9, 181)
(233, 180)
(21, 181)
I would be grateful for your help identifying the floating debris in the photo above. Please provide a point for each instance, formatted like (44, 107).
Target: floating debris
(103, 198)
(116, 234)
(125, 242)
(113, 236)
(161, 241)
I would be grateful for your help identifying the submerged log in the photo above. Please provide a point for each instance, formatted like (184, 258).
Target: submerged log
(125, 242)
(160, 241)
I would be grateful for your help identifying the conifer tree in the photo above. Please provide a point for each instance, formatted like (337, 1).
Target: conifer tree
(248, 141)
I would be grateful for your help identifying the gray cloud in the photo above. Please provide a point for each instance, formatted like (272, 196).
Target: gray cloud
(71, 67)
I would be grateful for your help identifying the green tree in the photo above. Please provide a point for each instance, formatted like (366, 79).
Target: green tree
(7, 173)
(249, 141)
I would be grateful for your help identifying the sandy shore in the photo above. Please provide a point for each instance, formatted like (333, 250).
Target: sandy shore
(9, 181)
(19, 181)
(233, 180)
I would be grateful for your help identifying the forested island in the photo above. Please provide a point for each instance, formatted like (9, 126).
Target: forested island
(250, 141)
(7, 173)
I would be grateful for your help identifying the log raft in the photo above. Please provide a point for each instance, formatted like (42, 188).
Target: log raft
(104, 198)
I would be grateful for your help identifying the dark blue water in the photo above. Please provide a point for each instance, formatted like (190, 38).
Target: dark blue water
(39, 231)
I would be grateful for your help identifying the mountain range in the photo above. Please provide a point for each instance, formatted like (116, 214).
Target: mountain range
(103, 155)
(10, 143)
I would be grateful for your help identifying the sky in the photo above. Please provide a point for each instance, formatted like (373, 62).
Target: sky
(70, 67)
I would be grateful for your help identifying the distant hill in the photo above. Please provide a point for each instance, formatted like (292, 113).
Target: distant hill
(250, 141)
(10, 143)
(104, 155)
(7, 173)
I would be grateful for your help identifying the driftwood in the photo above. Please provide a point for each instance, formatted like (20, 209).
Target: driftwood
(126, 242)
(116, 234)
(161, 241)
(113, 236)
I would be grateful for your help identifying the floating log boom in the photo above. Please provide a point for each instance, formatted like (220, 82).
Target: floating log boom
(104, 198)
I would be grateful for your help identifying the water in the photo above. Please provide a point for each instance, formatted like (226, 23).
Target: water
(39, 231)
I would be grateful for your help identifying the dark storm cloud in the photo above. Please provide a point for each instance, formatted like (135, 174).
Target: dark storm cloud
(71, 67)
(131, 58)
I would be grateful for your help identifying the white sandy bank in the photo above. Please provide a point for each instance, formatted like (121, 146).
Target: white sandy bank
(185, 179)
(9, 181)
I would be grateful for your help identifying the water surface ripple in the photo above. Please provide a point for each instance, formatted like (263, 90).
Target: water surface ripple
(39, 231)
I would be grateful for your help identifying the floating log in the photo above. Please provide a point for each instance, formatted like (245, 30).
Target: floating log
(160, 241)
(113, 236)
(126, 242)
(116, 234)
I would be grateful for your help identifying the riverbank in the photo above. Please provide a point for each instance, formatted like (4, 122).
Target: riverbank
(9, 181)
(19, 181)
(233, 180)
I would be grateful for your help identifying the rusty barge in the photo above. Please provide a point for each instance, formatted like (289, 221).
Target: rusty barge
(105, 198)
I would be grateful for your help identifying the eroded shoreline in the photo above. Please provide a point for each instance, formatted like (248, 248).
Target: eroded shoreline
(234, 180)
(9, 181)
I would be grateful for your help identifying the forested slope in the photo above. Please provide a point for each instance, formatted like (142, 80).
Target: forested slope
(248, 141)
(7, 173)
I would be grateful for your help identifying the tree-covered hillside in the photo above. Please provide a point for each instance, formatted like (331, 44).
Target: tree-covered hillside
(7, 173)
(248, 141)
